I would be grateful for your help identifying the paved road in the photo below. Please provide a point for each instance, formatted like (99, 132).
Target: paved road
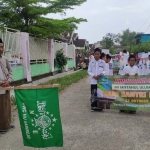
(86, 130)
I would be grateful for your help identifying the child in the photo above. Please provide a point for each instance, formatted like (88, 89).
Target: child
(144, 67)
(103, 57)
(122, 65)
(148, 65)
(96, 70)
(111, 67)
(107, 61)
(131, 69)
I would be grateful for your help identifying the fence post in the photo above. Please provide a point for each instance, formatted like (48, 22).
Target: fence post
(51, 54)
(25, 53)
(74, 55)
(65, 49)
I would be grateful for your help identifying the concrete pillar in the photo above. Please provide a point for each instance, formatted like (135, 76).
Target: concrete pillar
(65, 49)
(51, 54)
(25, 53)
(74, 55)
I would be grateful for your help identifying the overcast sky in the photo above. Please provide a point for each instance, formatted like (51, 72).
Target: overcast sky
(110, 16)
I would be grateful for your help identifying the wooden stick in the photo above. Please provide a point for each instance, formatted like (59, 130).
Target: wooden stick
(29, 87)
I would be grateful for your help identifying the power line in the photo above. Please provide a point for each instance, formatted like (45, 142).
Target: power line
(143, 24)
(147, 28)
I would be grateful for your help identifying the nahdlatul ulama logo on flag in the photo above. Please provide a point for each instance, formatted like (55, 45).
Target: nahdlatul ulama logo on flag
(39, 117)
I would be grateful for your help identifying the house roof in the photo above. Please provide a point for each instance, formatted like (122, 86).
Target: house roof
(117, 46)
(139, 35)
(79, 42)
(74, 35)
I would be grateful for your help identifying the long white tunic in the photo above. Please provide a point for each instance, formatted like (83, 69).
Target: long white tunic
(148, 67)
(144, 68)
(130, 70)
(96, 68)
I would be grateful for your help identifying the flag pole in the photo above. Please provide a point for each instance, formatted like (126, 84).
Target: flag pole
(29, 87)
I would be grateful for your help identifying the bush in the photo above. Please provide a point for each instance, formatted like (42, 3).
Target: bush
(61, 59)
(143, 47)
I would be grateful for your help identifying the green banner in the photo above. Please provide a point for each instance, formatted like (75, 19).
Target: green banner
(39, 116)
(125, 93)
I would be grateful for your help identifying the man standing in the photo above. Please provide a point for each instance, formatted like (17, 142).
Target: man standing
(5, 104)
(126, 56)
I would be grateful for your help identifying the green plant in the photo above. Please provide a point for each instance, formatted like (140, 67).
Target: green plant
(68, 79)
(60, 60)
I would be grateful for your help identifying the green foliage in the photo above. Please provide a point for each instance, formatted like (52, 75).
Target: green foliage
(112, 50)
(30, 16)
(69, 79)
(143, 47)
(128, 39)
(60, 60)
(109, 40)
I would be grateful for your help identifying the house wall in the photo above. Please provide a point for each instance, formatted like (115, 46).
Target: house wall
(145, 38)
(18, 73)
(33, 56)
(39, 69)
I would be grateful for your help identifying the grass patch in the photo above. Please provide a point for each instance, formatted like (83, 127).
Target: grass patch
(68, 79)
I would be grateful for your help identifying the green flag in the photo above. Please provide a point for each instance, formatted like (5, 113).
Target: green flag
(39, 115)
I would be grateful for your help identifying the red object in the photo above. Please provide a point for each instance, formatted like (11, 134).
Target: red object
(81, 60)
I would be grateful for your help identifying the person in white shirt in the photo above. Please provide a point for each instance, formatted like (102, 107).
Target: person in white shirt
(142, 66)
(122, 65)
(111, 67)
(91, 57)
(96, 70)
(148, 65)
(107, 61)
(131, 69)
(126, 56)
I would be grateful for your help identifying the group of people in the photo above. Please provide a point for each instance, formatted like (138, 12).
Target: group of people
(143, 64)
(99, 67)
(5, 103)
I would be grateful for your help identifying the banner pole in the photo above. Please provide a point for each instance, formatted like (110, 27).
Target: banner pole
(29, 87)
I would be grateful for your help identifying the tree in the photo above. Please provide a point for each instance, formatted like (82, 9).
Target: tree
(128, 38)
(29, 16)
(143, 47)
(109, 40)
(112, 50)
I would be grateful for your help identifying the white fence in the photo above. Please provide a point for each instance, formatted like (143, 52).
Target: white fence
(12, 47)
(70, 51)
(57, 46)
(38, 50)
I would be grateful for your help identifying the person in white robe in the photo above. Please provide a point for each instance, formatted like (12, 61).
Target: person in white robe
(148, 65)
(144, 67)
(140, 66)
(96, 70)
(122, 65)
(111, 67)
